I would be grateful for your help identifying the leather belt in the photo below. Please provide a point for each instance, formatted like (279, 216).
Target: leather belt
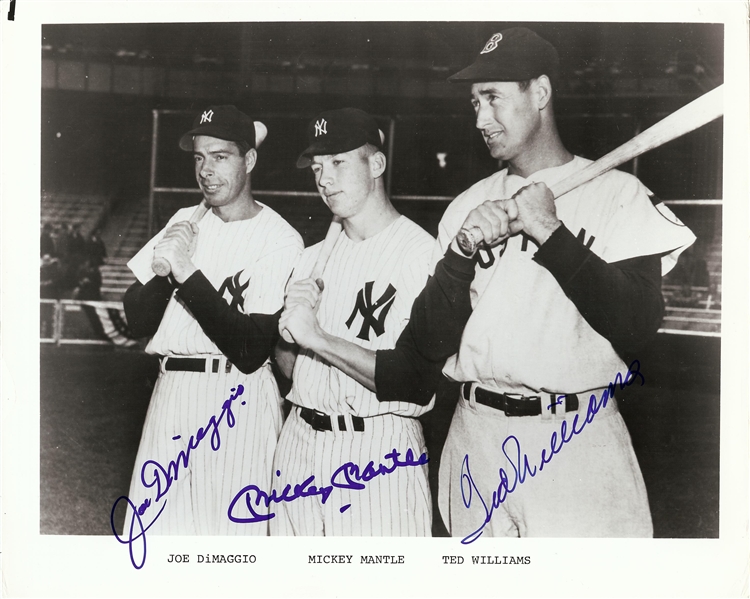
(323, 422)
(209, 365)
(521, 405)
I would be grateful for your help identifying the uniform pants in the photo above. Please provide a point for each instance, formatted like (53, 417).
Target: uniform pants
(590, 487)
(393, 504)
(198, 498)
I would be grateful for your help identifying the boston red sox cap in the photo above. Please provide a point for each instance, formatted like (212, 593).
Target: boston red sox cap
(338, 131)
(225, 122)
(516, 54)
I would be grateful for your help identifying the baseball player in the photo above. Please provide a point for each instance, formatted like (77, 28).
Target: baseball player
(564, 292)
(215, 413)
(378, 265)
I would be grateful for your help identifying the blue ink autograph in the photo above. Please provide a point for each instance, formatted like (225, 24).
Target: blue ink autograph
(519, 464)
(162, 478)
(347, 476)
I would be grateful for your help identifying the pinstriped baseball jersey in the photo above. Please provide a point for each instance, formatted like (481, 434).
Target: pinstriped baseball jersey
(369, 290)
(509, 344)
(248, 262)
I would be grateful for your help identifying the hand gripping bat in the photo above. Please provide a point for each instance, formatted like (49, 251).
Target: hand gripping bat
(161, 266)
(320, 264)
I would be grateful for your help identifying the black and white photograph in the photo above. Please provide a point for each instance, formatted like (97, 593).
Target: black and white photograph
(465, 292)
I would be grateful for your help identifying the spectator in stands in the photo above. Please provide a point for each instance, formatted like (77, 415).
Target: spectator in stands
(46, 243)
(77, 246)
(62, 242)
(89, 282)
(76, 252)
(88, 287)
(49, 277)
(95, 249)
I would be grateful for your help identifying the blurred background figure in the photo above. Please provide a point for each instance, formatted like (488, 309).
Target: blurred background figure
(49, 279)
(46, 243)
(77, 249)
(88, 281)
(96, 250)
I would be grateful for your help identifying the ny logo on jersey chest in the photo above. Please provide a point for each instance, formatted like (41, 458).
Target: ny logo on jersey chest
(235, 289)
(365, 306)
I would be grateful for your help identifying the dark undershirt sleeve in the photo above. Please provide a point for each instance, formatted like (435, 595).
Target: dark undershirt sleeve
(247, 340)
(412, 370)
(145, 305)
(622, 301)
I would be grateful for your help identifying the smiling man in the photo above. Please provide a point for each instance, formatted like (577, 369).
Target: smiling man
(213, 321)
(559, 297)
(378, 266)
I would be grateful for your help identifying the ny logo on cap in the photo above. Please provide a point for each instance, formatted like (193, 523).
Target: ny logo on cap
(206, 117)
(320, 127)
(492, 43)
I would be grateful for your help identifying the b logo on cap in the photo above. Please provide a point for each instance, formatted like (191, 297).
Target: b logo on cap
(492, 43)
(320, 127)
(206, 117)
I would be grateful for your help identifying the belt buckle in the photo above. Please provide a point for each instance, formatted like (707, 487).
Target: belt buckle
(319, 421)
(313, 418)
(521, 405)
(514, 397)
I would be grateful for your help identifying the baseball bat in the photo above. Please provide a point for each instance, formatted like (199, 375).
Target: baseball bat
(697, 113)
(320, 264)
(161, 266)
(325, 252)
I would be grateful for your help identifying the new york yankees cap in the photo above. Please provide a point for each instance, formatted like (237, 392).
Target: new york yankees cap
(225, 122)
(338, 131)
(515, 54)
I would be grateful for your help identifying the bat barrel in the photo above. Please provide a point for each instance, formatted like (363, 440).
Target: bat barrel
(699, 112)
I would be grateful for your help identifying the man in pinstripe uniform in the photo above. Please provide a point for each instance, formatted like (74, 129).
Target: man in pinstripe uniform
(215, 413)
(378, 265)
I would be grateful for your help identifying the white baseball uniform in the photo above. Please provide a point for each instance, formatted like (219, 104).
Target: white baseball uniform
(248, 262)
(370, 286)
(525, 336)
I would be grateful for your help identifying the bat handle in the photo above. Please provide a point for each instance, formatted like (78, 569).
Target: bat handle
(468, 239)
(161, 267)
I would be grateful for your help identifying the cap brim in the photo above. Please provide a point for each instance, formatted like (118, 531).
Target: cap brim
(473, 73)
(328, 147)
(478, 73)
(186, 141)
(305, 159)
